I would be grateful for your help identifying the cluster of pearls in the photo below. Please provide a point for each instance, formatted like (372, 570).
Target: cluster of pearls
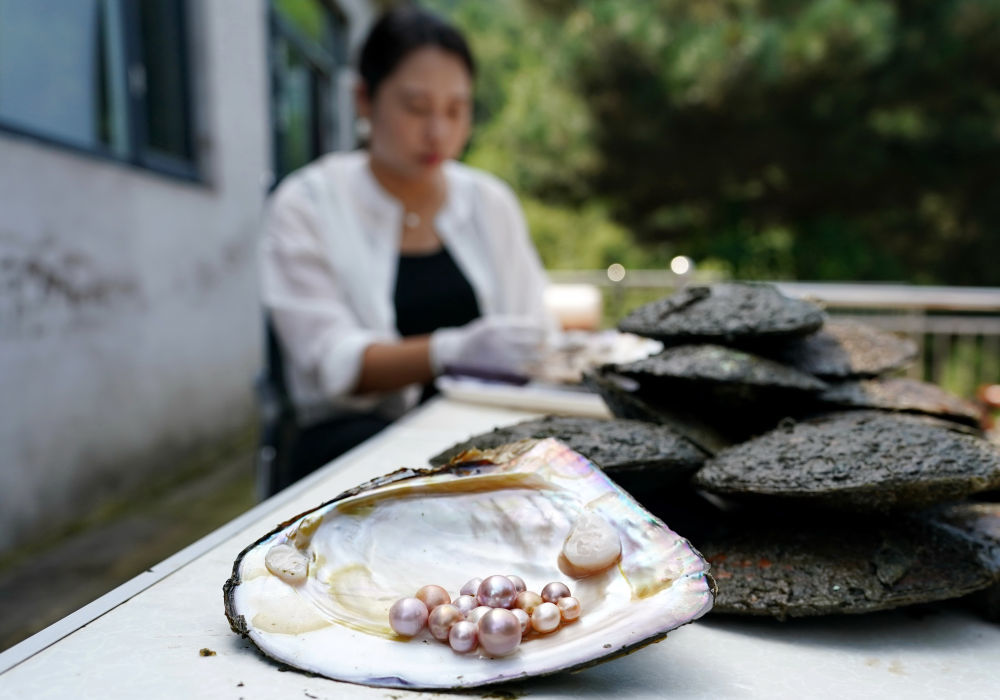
(492, 613)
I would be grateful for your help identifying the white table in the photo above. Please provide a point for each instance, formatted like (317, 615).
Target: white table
(143, 639)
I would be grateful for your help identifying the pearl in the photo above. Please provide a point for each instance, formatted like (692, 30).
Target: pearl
(465, 603)
(441, 619)
(476, 614)
(287, 563)
(471, 586)
(554, 591)
(407, 616)
(524, 618)
(496, 592)
(463, 636)
(528, 601)
(499, 632)
(569, 607)
(592, 545)
(546, 618)
(433, 596)
(518, 582)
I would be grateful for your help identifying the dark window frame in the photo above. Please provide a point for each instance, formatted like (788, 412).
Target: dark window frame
(323, 62)
(138, 152)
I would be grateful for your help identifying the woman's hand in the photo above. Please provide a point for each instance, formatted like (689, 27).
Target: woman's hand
(499, 343)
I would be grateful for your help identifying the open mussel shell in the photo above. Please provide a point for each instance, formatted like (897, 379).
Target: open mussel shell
(508, 513)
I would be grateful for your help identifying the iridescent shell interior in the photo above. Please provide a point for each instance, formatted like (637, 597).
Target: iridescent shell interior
(374, 546)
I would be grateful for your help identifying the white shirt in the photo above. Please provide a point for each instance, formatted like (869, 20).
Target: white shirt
(329, 256)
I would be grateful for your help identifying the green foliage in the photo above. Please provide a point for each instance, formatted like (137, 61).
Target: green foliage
(843, 123)
(811, 139)
(582, 238)
(534, 129)
(306, 16)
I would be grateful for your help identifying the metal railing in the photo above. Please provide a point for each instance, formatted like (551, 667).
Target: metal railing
(957, 329)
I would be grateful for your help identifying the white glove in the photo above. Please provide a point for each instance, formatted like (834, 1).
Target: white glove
(498, 343)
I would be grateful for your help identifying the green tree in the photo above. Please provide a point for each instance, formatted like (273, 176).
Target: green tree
(818, 139)
(535, 131)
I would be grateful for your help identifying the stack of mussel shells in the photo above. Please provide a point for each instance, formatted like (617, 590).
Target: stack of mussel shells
(787, 447)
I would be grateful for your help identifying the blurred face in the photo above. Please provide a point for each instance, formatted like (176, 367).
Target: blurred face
(421, 114)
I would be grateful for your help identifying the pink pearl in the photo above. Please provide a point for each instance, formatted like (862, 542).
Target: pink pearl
(471, 586)
(554, 591)
(476, 614)
(499, 632)
(569, 608)
(518, 582)
(433, 596)
(528, 601)
(441, 619)
(407, 616)
(546, 618)
(464, 636)
(524, 618)
(496, 592)
(465, 603)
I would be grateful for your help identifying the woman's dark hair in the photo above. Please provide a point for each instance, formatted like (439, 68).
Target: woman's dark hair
(399, 32)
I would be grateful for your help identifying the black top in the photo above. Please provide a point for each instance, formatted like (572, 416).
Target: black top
(432, 293)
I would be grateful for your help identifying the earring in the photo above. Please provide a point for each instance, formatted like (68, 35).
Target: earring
(362, 128)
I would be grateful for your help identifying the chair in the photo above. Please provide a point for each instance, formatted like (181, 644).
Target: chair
(278, 426)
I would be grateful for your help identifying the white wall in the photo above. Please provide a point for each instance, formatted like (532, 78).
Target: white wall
(129, 316)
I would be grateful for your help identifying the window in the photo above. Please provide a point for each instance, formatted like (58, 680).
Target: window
(106, 76)
(307, 50)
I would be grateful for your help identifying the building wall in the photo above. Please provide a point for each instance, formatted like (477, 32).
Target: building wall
(129, 315)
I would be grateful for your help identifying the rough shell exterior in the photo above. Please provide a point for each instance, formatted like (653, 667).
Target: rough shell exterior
(624, 398)
(734, 393)
(843, 349)
(720, 366)
(724, 313)
(617, 446)
(830, 566)
(863, 460)
(980, 522)
(900, 394)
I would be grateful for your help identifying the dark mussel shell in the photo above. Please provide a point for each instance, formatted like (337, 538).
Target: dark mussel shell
(724, 313)
(859, 460)
(844, 349)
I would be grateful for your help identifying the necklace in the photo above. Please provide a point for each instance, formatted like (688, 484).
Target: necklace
(411, 219)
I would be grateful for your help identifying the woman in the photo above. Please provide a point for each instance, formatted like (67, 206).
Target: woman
(384, 268)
